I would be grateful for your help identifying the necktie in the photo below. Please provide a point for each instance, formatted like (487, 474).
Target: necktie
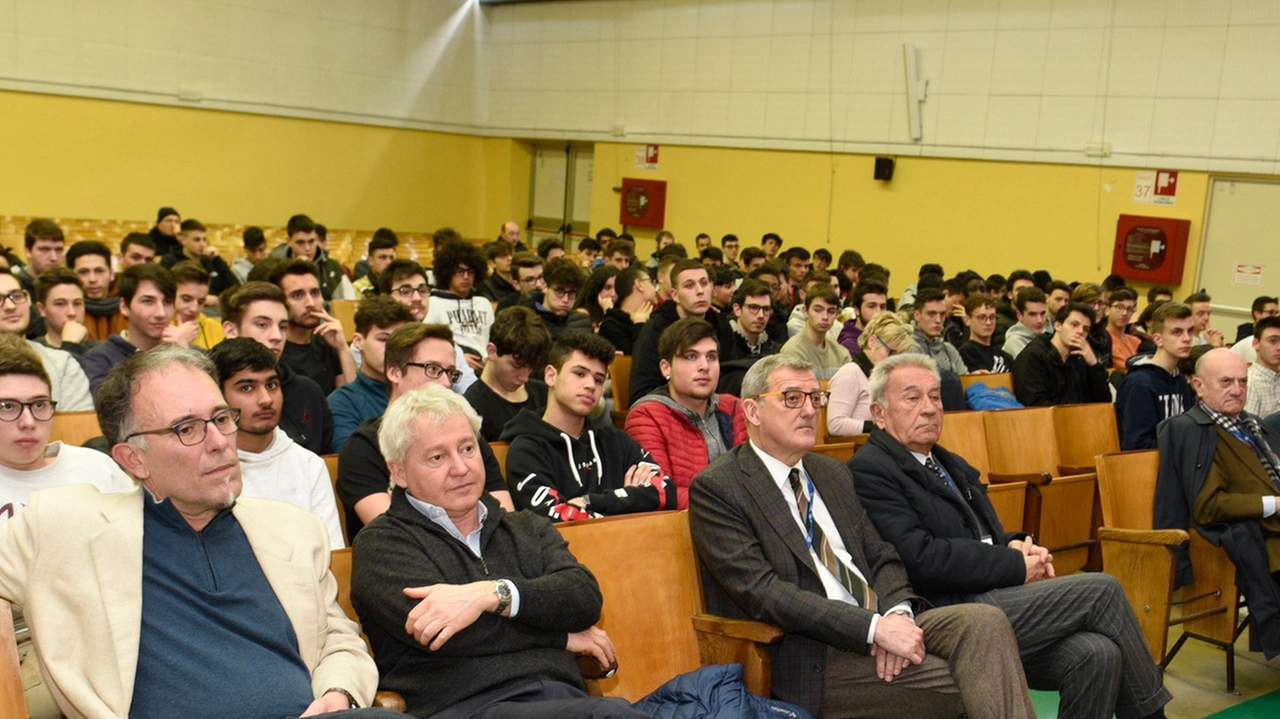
(933, 467)
(860, 590)
(1245, 432)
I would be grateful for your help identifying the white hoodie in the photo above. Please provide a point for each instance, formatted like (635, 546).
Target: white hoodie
(286, 472)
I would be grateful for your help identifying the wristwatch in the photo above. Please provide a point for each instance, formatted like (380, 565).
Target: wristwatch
(504, 595)
(351, 701)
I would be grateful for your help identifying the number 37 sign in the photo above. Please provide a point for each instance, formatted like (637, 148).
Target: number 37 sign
(1155, 187)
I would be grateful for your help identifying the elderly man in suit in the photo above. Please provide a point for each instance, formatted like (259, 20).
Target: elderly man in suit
(1219, 471)
(785, 540)
(1077, 635)
(178, 598)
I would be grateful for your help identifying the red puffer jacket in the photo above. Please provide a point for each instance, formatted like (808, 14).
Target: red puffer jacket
(679, 447)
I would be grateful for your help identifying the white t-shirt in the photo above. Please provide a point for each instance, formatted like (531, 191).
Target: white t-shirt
(287, 472)
(70, 465)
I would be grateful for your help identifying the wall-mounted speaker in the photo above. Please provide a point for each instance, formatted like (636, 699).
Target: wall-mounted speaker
(884, 168)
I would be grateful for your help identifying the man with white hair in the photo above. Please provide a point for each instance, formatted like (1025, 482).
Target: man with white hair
(1076, 634)
(495, 603)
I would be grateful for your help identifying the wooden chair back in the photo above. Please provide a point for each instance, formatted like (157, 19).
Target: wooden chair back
(1010, 502)
(842, 451)
(965, 434)
(1127, 488)
(500, 452)
(340, 567)
(13, 699)
(344, 311)
(1021, 441)
(620, 373)
(1085, 431)
(331, 463)
(648, 604)
(1001, 379)
(75, 428)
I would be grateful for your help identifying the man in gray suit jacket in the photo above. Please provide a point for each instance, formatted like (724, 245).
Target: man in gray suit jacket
(1077, 634)
(784, 540)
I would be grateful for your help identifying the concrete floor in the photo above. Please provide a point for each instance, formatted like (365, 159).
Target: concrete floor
(1197, 678)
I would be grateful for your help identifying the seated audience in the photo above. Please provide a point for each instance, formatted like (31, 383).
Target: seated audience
(1095, 297)
(193, 244)
(45, 245)
(598, 294)
(978, 354)
(588, 252)
(1057, 294)
(1202, 311)
(1155, 389)
(751, 259)
(1264, 376)
(68, 383)
(1262, 307)
(550, 249)
(152, 635)
(684, 425)
(1218, 474)
(518, 344)
(955, 328)
(1122, 303)
(381, 251)
(272, 465)
(314, 344)
(258, 310)
(558, 467)
(459, 266)
(563, 281)
(494, 637)
(796, 262)
(527, 272)
(796, 322)
(783, 539)
(929, 311)
(1031, 308)
(304, 244)
(255, 251)
(620, 253)
(691, 298)
(188, 305)
(849, 402)
(136, 249)
(91, 262)
(869, 298)
(729, 247)
(723, 285)
(1062, 369)
(146, 301)
(416, 355)
(636, 298)
(816, 344)
(1077, 634)
(662, 241)
(375, 319)
(1006, 314)
(164, 236)
(510, 234)
(406, 282)
(500, 284)
(60, 300)
(751, 309)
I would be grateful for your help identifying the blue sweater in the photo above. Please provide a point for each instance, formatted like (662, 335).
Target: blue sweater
(215, 640)
(353, 403)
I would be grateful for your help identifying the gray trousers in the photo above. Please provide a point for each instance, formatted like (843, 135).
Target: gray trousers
(1078, 636)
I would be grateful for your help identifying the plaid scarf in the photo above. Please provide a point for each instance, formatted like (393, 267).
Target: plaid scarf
(1245, 428)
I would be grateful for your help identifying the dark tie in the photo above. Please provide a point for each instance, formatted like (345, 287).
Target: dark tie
(933, 467)
(860, 590)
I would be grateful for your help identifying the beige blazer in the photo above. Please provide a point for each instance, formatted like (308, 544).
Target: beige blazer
(73, 561)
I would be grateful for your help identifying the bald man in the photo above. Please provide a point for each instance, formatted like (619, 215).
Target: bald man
(1219, 470)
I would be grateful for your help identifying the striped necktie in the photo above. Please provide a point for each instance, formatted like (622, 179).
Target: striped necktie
(860, 590)
(933, 467)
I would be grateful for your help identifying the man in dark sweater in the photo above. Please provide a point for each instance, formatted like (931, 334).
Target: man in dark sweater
(314, 344)
(1062, 369)
(518, 345)
(1155, 389)
(564, 279)
(978, 353)
(496, 604)
(195, 246)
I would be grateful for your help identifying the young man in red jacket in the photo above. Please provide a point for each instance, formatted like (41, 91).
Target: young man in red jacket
(684, 424)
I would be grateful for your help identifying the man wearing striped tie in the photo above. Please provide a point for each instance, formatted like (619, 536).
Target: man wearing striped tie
(784, 540)
(1077, 634)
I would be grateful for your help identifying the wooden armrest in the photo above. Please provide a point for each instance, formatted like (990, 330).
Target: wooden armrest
(752, 631)
(1068, 469)
(591, 669)
(1035, 478)
(1167, 537)
(389, 700)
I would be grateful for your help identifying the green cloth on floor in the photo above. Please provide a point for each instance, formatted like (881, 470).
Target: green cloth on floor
(1046, 704)
(1266, 706)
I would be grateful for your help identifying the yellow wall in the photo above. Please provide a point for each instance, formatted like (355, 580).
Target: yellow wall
(96, 159)
(965, 214)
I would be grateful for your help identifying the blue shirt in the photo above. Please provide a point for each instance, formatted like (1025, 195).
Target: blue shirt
(353, 403)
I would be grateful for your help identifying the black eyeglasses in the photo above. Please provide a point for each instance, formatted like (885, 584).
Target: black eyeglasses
(886, 347)
(407, 291)
(41, 409)
(794, 398)
(434, 370)
(17, 297)
(191, 432)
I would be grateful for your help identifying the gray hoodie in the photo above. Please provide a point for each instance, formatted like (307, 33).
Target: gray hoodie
(941, 351)
(1017, 338)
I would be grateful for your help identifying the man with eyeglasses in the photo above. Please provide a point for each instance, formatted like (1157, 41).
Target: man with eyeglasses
(272, 466)
(977, 352)
(416, 355)
(527, 272)
(517, 347)
(560, 467)
(314, 344)
(1124, 343)
(1077, 635)
(154, 633)
(259, 311)
(30, 462)
(563, 278)
(785, 540)
(406, 282)
(70, 385)
(460, 267)
(752, 307)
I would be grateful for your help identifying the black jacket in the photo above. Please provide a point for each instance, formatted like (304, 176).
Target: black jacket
(403, 548)
(618, 328)
(306, 417)
(937, 532)
(556, 324)
(1042, 378)
(496, 289)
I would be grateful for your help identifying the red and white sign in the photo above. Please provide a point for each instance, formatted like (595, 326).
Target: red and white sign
(1156, 187)
(646, 157)
(1248, 274)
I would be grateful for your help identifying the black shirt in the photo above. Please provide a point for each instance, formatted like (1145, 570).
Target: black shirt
(362, 471)
(495, 411)
(985, 357)
(316, 360)
(306, 417)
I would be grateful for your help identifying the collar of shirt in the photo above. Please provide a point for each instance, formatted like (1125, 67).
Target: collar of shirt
(780, 474)
(921, 458)
(440, 517)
